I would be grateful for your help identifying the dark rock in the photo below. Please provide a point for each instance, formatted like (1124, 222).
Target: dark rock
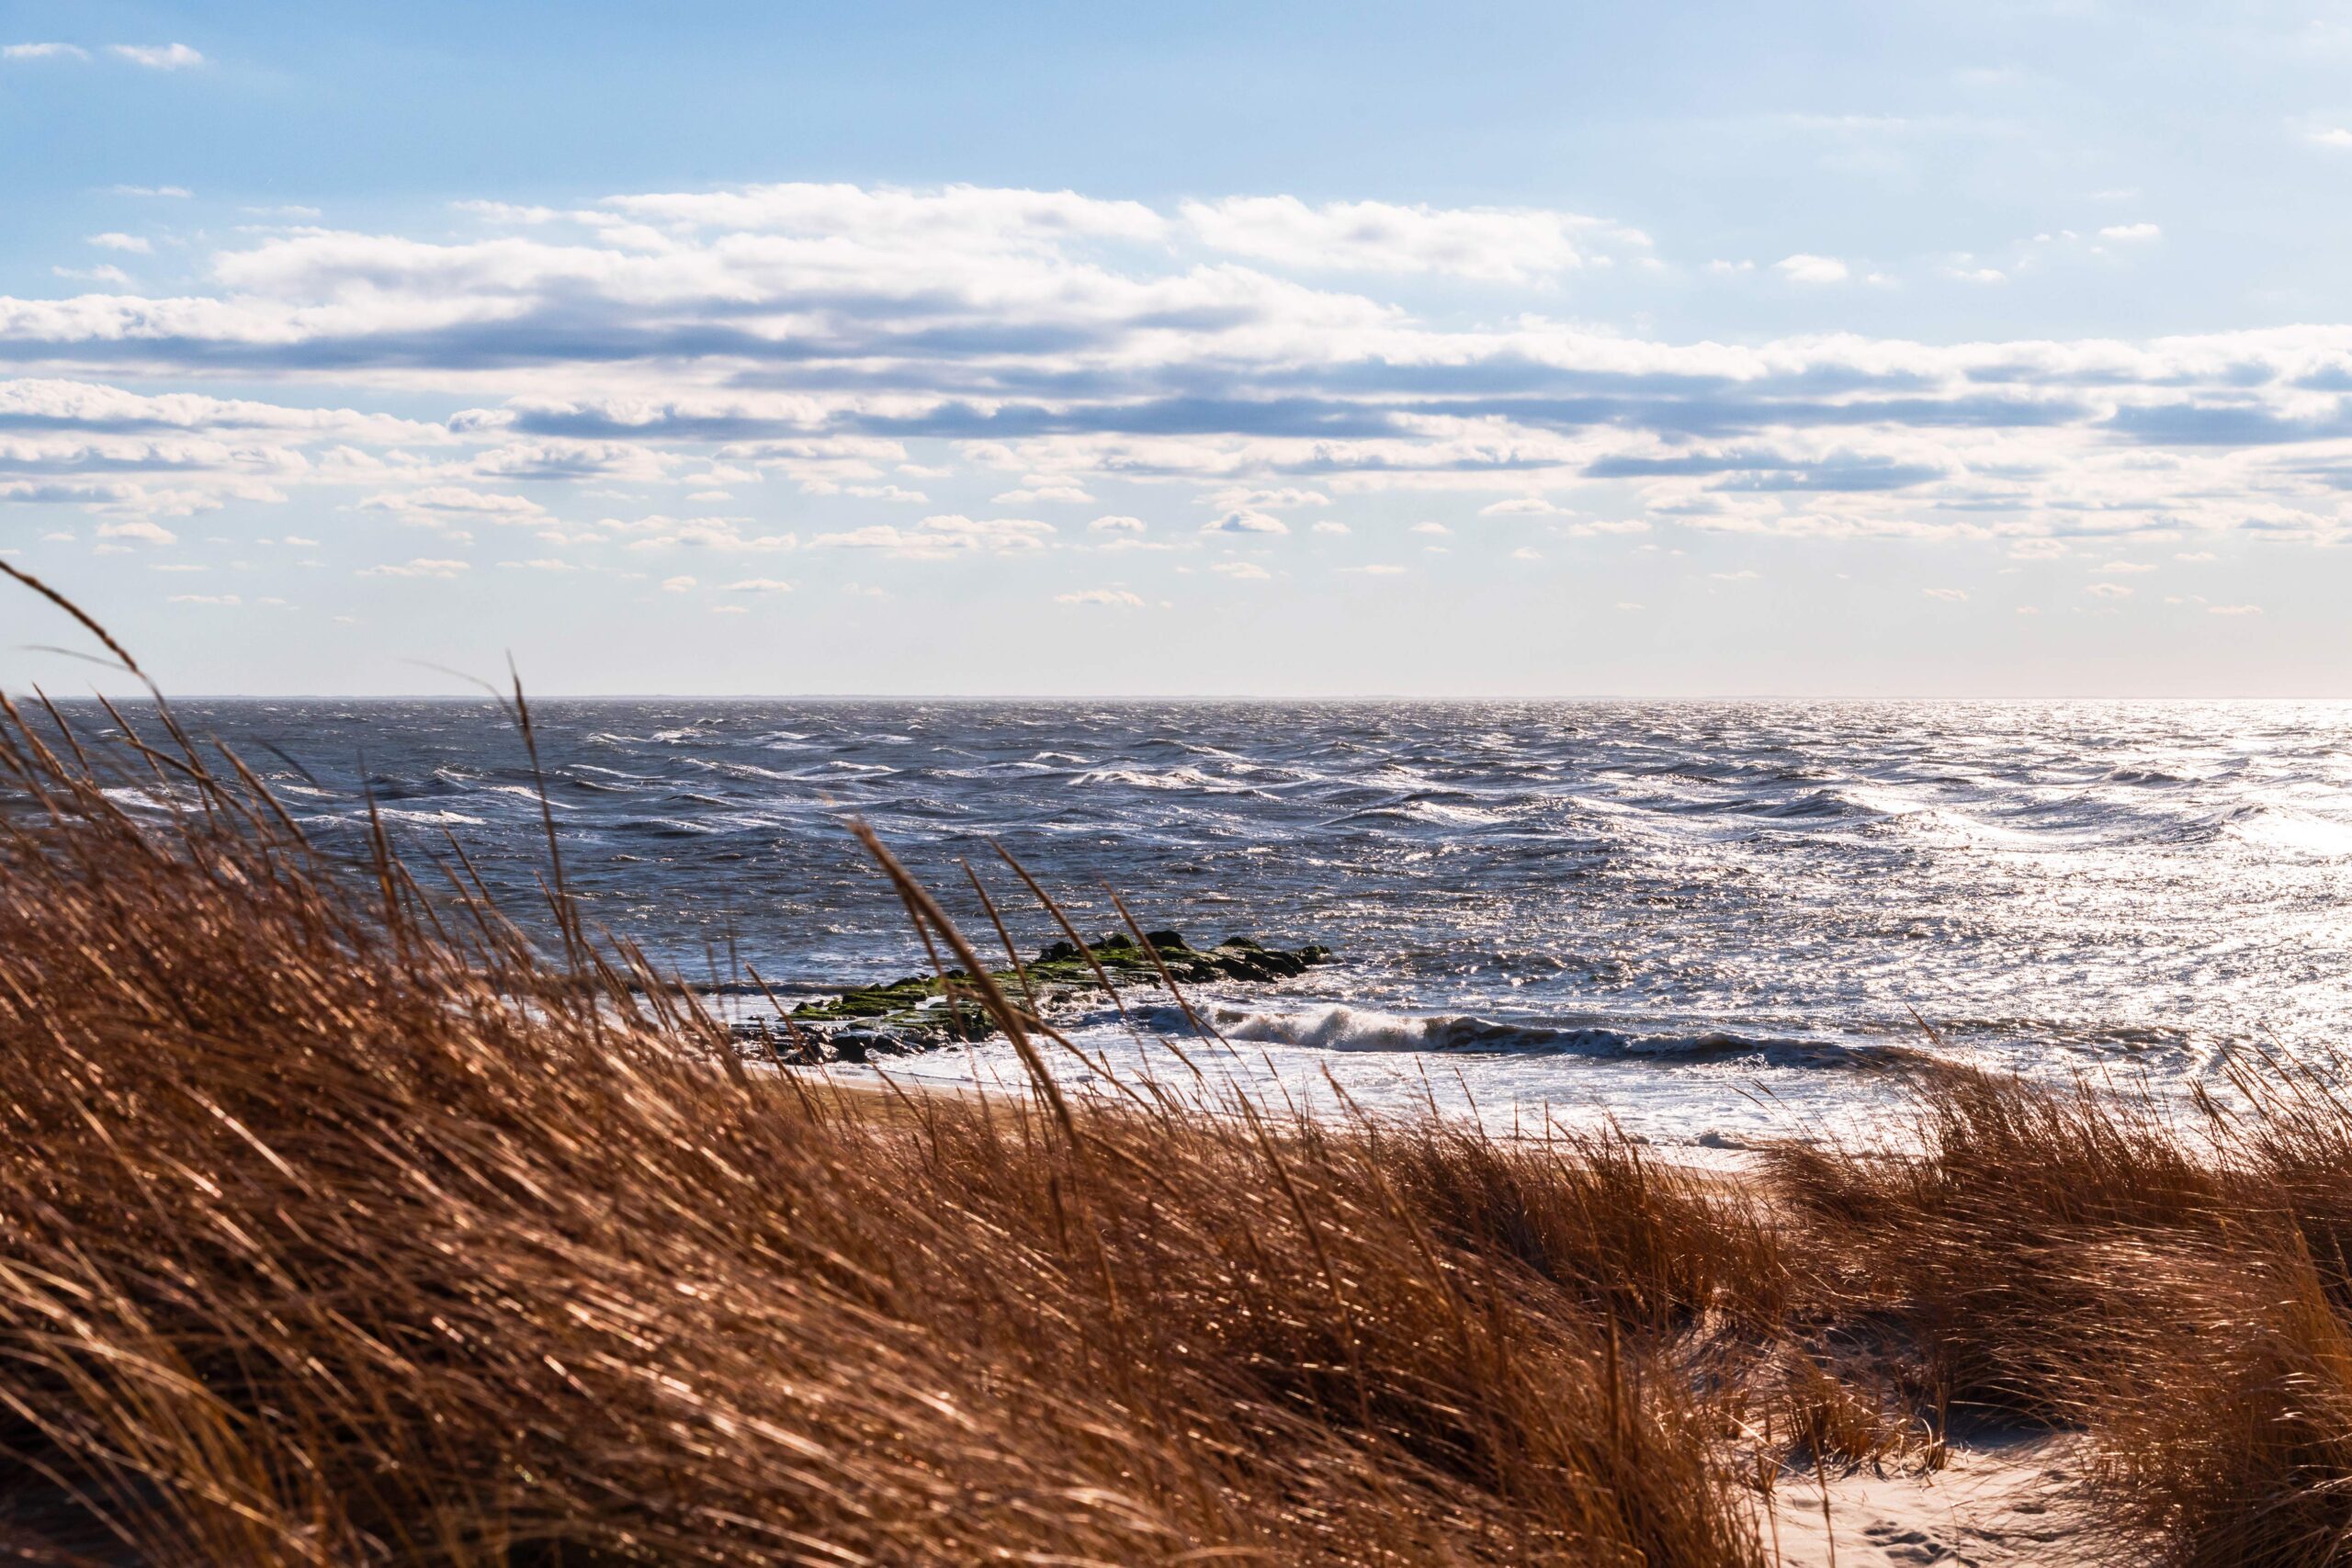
(920, 1012)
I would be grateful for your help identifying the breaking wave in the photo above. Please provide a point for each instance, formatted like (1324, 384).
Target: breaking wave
(1340, 1027)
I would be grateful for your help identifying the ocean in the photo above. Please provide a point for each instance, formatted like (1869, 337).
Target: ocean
(1711, 922)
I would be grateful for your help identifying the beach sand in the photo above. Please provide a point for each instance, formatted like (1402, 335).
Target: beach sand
(2000, 1501)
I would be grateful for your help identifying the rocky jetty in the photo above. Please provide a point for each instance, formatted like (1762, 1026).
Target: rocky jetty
(921, 1012)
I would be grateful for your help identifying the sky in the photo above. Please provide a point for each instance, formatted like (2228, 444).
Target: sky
(1312, 350)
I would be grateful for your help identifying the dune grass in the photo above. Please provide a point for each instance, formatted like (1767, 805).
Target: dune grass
(341, 1223)
(336, 1225)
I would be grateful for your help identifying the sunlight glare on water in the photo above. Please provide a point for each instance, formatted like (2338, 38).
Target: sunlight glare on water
(1704, 918)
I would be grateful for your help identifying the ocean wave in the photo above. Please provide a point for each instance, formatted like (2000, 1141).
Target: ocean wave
(1423, 813)
(523, 792)
(2297, 832)
(667, 827)
(2084, 884)
(1188, 778)
(737, 770)
(1340, 1027)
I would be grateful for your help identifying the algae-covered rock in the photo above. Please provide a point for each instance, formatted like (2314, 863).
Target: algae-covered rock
(920, 1012)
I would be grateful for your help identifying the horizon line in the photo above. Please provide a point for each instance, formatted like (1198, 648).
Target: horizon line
(143, 695)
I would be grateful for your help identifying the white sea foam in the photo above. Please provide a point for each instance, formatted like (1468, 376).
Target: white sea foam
(1664, 912)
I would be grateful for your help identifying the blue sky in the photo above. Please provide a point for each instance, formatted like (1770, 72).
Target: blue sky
(1685, 349)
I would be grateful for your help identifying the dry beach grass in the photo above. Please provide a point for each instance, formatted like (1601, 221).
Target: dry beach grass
(338, 1227)
(339, 1223)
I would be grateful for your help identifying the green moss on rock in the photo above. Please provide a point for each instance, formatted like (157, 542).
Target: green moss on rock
(916, 1013)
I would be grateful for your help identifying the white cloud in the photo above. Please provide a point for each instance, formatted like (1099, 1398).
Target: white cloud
(158, 57)
(937, 539)
(43, 51)
(113, 242)
(2130, 233)
(1244, 520)
(760, 585)
(1331, 528)
(659, 531)
(2126, 567)
(1116, 523)
(1628, 606)
(1804, 268)
(181, 192)
(1439, 528)
(1506, 244)
(964, 216)
(1377, 569)
(55, 402)
(1118, 598)
(2108, 591)
(1950, 595)
(2234, 610)
(1980, 275)
(817, 333)
(1526, 552)
(140, 528)
(204, 599)
(1030, 495)
(677, 584)
(1279, 498)
(459, 500)
(558, 459)
(420, 566)
(2330, 136)
(1248, 570)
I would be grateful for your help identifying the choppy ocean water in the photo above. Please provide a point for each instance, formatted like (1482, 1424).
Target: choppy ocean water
(1706, 919)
